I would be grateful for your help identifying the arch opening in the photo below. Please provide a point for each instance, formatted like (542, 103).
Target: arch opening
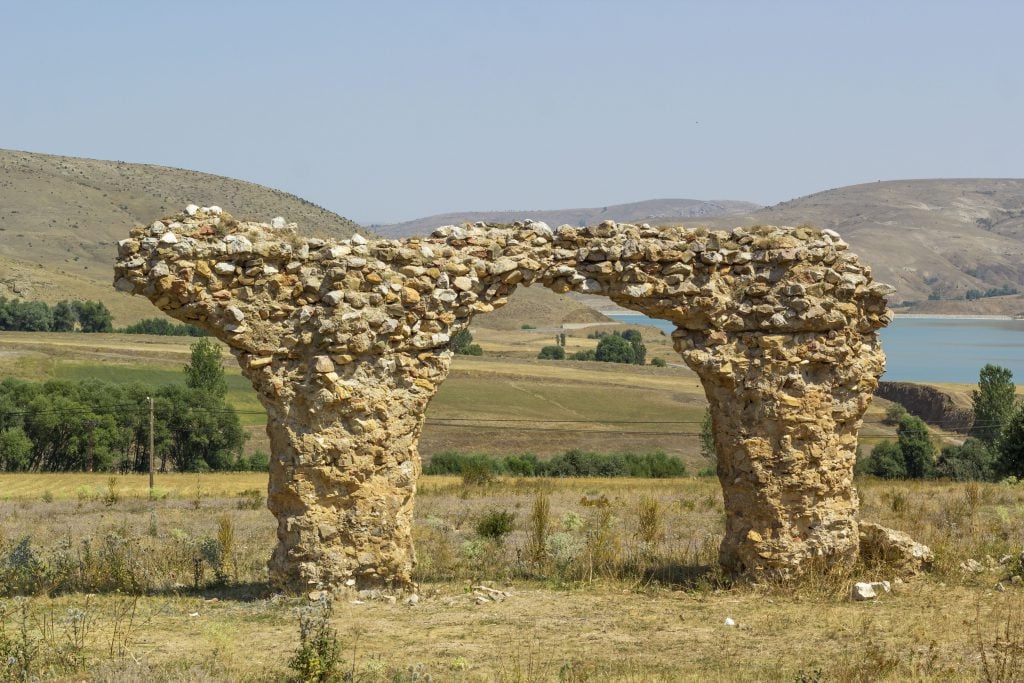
(346, 343)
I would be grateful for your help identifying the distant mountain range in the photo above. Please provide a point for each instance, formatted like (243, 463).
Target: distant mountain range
(928, 238)
(649, 211)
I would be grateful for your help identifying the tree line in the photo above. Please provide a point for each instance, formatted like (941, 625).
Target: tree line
(17, 315)
(91, 425)
(626, 347)
(994, 449)
(572, 463)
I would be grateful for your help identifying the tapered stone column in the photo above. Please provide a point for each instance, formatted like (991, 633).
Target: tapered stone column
(786, 410)
(344, 467)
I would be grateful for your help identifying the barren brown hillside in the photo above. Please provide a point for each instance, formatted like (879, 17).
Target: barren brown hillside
(925, 237)
(60, 217)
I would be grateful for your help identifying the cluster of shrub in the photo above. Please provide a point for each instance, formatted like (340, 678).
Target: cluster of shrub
(994, 450)
(462, 344)
(940, 293)
(61, 426)
(163, 327)
(17, 315)
(572, 463)
(626, 346)
(973, 294)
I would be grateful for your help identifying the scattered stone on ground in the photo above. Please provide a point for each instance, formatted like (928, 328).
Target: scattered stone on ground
(894, 548)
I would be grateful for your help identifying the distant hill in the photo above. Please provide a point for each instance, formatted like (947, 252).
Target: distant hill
(649, 211)
(926, 237)
(60, 217)
(540, 307)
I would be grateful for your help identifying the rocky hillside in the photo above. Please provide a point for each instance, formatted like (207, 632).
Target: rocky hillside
(928, 238)
(60, 217)
(649, 211)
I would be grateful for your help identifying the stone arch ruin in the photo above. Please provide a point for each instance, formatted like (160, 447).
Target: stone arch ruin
(347, 342)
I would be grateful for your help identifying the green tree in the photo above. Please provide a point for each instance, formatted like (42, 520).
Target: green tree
(552, 352)
(614, 349)
(203, 433)
(1010, 447)
(462, 344)
(886, 461)
(915, 444)
(29, 316)
(636, 340)
(206, 372)
(94, 316)
(973, 461)
(993, 402)
(15, 450)
(894, 413)
(65, 317)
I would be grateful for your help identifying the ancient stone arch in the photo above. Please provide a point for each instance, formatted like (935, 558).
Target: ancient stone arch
(347, 342)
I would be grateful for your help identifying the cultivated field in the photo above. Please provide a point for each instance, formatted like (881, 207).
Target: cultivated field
(555, 405)
(173, 589)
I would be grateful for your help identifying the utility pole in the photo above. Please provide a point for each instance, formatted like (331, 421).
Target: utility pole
(150, 445)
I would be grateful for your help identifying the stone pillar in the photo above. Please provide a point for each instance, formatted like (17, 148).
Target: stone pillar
(786, 410)
(344, 467)
(346, 342)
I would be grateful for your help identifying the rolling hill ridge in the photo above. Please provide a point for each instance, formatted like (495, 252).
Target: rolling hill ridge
(648, 211)
(928, 238)
(60, 217)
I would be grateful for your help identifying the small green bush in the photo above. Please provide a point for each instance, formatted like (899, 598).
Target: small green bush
(318, 658)
(496, 524)
(658, 362)
(552, 352)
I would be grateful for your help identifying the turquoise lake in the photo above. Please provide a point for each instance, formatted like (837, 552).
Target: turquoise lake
(934, 349)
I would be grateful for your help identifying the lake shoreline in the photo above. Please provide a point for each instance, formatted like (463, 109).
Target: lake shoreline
(952, 316)
(908, 316)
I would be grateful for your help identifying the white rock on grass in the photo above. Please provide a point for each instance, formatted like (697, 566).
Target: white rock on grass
(870, 591)
(863, 591)
(191, 209)
(278, 223)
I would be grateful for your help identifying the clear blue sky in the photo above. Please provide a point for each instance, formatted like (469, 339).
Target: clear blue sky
(386, 111)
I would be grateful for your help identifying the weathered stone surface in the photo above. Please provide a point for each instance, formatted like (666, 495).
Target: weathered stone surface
(779, 323)
(895, 548)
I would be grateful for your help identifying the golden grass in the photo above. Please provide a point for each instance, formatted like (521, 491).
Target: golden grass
(654, 611)
(72, 485)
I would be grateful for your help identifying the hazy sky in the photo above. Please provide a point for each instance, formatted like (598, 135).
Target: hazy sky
(386, 111)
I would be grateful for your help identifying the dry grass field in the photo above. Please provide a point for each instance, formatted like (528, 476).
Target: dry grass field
(115, 586)
(101, 582)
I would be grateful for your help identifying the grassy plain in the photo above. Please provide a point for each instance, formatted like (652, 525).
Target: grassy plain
(615, 596)
(558, 405)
